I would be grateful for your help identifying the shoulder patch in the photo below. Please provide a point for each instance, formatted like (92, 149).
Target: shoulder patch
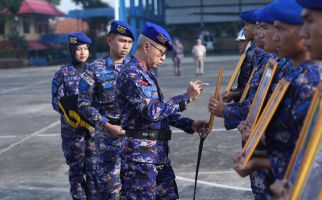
(88, 79)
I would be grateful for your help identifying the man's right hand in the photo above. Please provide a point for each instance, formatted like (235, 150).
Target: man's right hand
(194, 89)
(244, 129)
(229, 96)
(114, 130)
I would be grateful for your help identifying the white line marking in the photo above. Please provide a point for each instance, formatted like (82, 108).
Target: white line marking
(49, 135)
(213, 184)
(7, 136)
(209, 172)
(213, 130)
(14, 89)
(28, 137)
(36, 188)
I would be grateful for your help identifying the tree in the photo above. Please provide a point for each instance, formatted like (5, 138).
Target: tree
(55, 2)
(91, 3)
(94, 23)
(12, 5)
(20, 44)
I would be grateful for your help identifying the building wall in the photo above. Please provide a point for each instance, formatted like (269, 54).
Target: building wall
(213, 10)
(219, 17)
(11, 24)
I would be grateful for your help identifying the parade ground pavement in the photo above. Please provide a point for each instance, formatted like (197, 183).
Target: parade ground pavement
(32, 166)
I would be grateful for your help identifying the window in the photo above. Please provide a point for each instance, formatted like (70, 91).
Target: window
(2, 26)
(26, 25)
(42, 25)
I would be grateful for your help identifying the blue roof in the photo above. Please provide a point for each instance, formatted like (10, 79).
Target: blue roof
(55, 38)
(91, 13)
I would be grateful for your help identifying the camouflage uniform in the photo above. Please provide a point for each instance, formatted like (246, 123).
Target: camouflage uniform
(234, 113)
(237, 112)
(97, 103)
(146, 169)
(252, 54)
(283, 130)
(65, 83)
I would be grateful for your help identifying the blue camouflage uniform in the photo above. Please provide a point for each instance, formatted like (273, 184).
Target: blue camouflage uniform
(237, 112)
(283, 130)
(249, 17)
(65, 83)
(97, 103)
(234, 113)
(146, 169)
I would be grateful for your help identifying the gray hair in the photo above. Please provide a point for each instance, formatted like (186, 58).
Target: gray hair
(143, 39)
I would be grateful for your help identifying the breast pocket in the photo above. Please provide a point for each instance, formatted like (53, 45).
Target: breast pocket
(71, 85)
(106, 83)
(150, 91)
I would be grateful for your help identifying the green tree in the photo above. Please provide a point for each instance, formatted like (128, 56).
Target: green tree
(12, 5)
(19, 43)
(94, 23)
(55, 2)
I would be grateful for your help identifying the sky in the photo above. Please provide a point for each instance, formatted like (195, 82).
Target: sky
(67, 5)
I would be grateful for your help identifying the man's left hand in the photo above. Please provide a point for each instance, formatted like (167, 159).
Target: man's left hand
(200, 126)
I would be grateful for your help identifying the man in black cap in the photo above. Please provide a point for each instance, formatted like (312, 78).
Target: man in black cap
(97, 103)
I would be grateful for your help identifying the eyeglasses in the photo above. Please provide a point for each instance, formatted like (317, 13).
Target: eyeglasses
(162, 53)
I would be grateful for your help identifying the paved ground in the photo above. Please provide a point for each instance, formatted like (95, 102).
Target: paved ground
(32, 166)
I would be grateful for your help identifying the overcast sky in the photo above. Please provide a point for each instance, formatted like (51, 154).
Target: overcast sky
(67, 5)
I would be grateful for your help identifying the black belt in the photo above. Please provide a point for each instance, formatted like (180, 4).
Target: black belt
(114, 121)
(149, 134)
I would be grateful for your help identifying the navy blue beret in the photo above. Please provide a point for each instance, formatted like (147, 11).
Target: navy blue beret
(286, 11)
(122, 28)
(157, 34)
(265, 16)
(249, 16)
(78, 38)
(311, 4)
(257, 14)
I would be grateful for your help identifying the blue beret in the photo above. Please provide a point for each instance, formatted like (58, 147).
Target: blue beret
(257, 14)
(286, 11)
(78, 38)
(122, 28)
(157, 34)
(311, 4)
(249, 16)
(265, 16)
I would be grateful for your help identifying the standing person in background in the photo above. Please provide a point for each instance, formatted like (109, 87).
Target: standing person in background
(65, 83)
(177, 55)
(199, 55)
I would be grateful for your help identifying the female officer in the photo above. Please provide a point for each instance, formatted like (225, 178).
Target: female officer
(65, 83)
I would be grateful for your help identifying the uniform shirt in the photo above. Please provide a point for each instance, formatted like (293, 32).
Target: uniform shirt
(253, 56)
(142, 107)
(96, 99)
(65, 83)
(281, 72)
(234, 113)
(283, 130)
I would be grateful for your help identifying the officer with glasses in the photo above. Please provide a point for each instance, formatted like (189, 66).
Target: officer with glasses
(146, 171)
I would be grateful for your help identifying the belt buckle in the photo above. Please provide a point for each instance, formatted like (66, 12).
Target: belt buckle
(149, 135)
